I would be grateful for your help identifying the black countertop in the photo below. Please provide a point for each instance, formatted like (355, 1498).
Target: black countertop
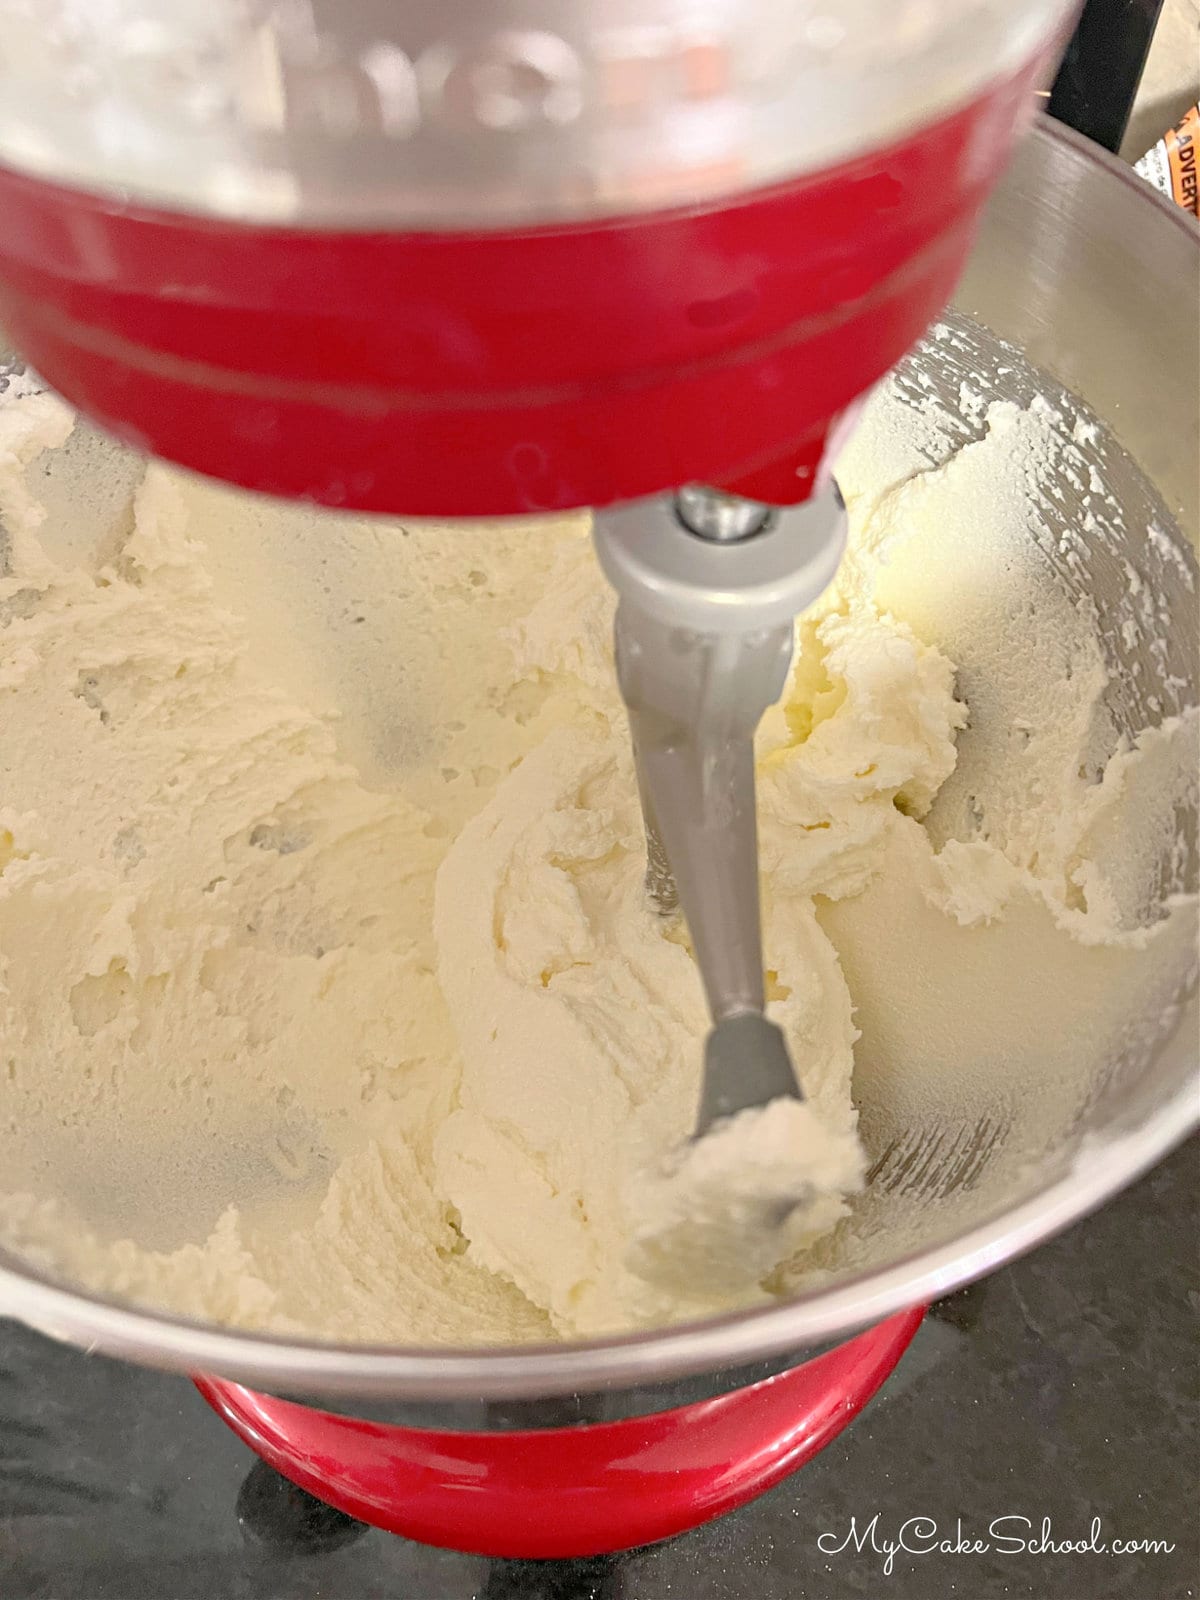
(1064, 1387)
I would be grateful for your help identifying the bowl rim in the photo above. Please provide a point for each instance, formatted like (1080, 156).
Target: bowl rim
(806, 1323)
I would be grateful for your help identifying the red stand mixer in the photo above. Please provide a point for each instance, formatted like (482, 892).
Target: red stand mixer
(446, 261)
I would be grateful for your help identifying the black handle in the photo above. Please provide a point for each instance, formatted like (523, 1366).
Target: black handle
(1100, 73)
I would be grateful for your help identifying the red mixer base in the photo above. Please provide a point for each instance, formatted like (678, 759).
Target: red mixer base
(569, 1491)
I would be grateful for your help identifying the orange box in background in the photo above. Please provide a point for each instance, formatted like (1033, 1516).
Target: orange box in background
(1171, 164)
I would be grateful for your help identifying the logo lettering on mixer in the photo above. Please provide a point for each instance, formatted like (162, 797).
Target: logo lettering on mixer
(292, 75)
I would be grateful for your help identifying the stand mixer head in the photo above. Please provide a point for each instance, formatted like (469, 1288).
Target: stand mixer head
(337, 251)
(385, 258)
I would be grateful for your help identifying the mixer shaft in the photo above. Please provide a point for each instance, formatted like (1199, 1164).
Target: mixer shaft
(709, 585)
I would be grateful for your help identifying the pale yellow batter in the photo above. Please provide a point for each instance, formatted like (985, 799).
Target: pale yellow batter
(329, 997)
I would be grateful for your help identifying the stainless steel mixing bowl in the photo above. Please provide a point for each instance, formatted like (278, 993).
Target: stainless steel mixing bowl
(1080, 267)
